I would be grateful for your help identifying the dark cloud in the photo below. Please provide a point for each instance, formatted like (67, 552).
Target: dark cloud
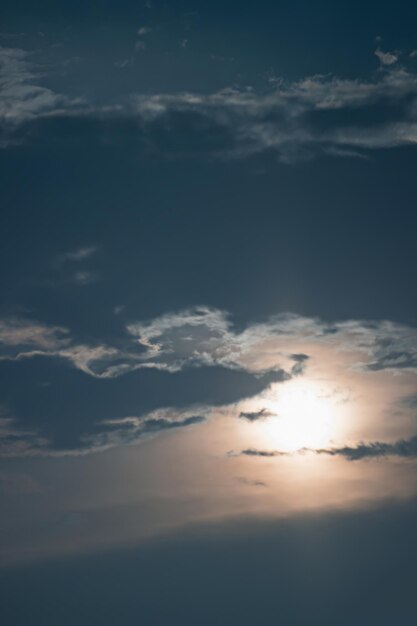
(255, 415)
(72, 406)
(153, 424)
(395, 359)
(274, 376)
(156, 425)
(131, 430)
(300, 363)
(251, 482)
(405, 448)
(299, 358)
(263, 453)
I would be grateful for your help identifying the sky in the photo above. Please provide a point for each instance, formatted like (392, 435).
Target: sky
(208, 333)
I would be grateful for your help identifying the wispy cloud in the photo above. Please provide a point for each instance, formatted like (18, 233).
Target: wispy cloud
(19, 335)
(23, 97)
(122, 64)
(405, 448)
(318, 115)
(131, 430)
(261, 453)
(79, 254)
(144, 30)
(84, 278)
(250, 482)
(17, 441)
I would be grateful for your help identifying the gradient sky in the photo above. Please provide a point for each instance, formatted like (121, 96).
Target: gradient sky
(208, 337)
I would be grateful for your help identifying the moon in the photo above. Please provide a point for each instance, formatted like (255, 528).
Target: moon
(302, 416)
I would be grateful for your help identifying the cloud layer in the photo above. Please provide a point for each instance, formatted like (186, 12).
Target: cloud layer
(316, 115)
(202, 340)
(204, 336)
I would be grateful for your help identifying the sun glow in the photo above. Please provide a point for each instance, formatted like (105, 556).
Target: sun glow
(302, 416)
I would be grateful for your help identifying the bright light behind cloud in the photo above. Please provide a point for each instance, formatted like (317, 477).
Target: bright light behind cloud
(303, 416)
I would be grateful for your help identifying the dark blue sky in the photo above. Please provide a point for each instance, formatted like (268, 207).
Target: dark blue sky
(194, 194)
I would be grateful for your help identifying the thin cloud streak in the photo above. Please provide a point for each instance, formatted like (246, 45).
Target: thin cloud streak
(404, 448)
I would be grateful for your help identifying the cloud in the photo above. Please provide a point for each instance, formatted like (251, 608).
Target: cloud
(262, 453)
(132, 430)
(197, 356)
(404, 448)
(250, 483)
(300, 358)
(69, 268)
(122, 64)
(22, 97)
(25, 339)
(386, 58)
(205, 337)
(79, 254)
(18, 335)
(255, 416)
(71, 411)
(318, 115)
(99, 361)
(200, 335)
(300, 363)
(16, 441)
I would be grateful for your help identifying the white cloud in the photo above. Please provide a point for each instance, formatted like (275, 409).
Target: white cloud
(22, 97)
(16, 334)
(295, 119)
(203, 336)
(386, 58)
